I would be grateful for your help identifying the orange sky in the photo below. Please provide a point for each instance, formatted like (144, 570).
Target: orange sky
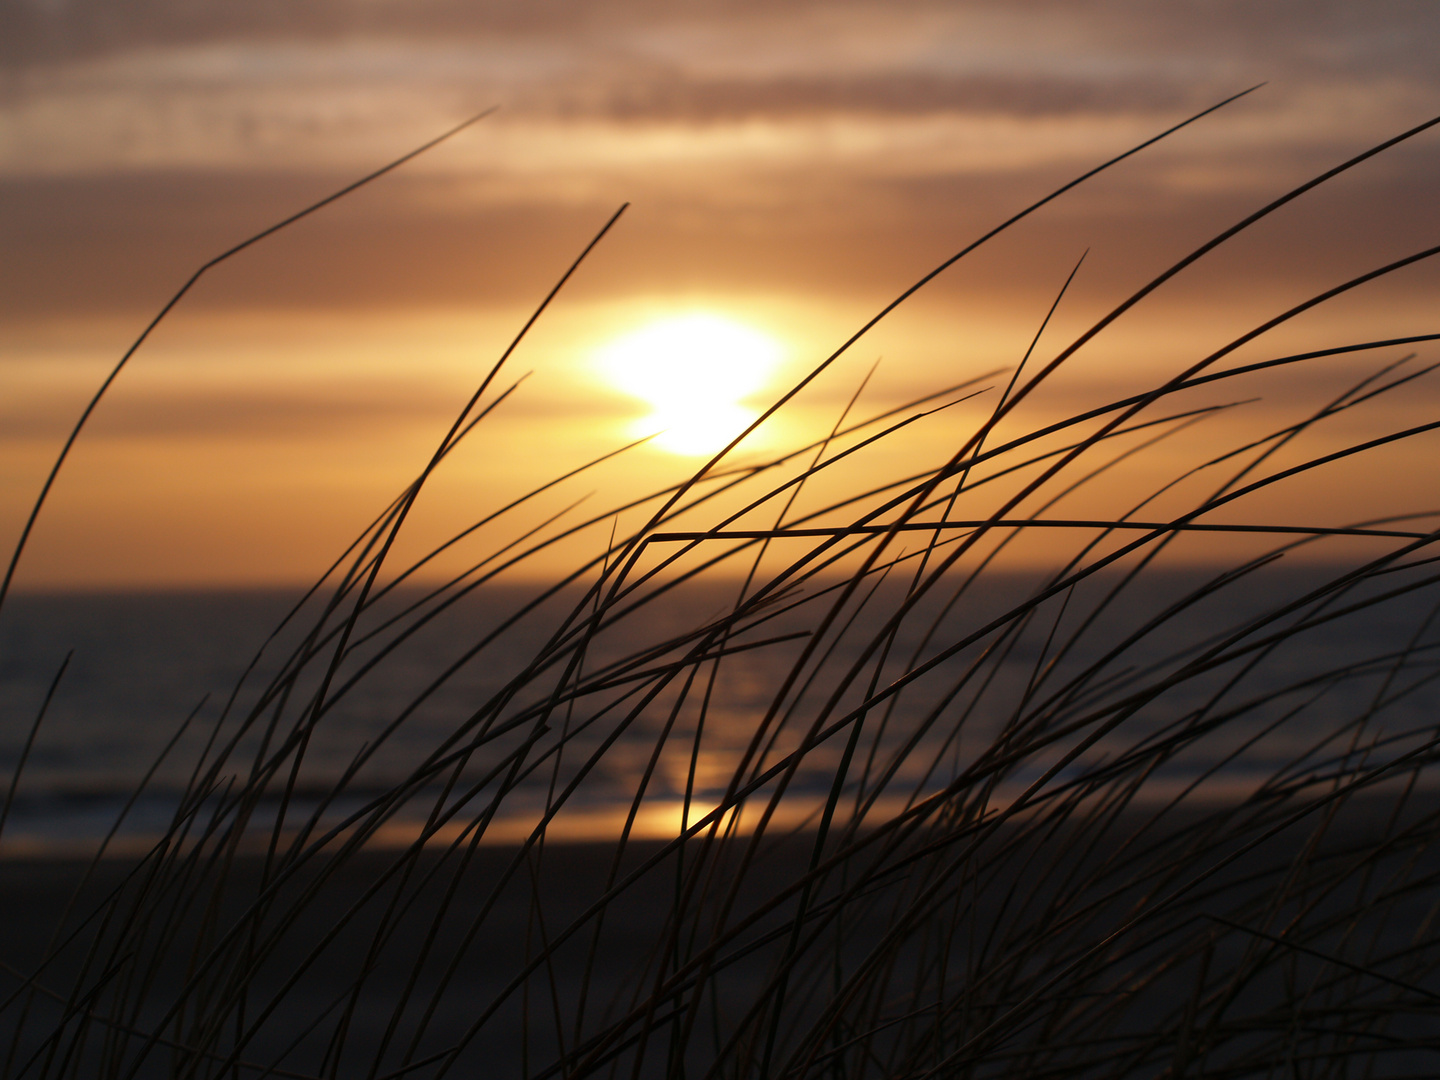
(790, 168)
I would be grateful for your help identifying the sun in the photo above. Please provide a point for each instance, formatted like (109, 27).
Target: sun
(695, 372)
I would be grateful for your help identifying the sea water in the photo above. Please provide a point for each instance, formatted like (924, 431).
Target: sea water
(158, 684)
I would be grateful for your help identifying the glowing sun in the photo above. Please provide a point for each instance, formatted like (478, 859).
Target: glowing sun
(694, 371)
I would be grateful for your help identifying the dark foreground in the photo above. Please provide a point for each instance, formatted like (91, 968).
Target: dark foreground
(1216, 944)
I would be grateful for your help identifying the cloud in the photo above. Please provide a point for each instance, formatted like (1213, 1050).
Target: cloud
(757, 141)
(266, 414)
(161, 85)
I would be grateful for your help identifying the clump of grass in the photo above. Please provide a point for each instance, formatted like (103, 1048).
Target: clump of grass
(891, 803)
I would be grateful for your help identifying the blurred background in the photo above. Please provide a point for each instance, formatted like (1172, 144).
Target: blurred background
(790, 169)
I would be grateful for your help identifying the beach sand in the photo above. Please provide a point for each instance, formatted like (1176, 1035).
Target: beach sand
(1050, 886)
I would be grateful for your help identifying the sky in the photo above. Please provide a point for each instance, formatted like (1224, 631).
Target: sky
(788, 169)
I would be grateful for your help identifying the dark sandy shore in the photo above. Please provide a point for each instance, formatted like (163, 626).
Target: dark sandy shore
(571, 877)
(1052, 886)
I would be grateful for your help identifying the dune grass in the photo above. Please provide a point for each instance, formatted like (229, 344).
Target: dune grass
(899, 803)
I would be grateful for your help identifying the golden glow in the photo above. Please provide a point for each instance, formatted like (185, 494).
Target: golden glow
(695, 372)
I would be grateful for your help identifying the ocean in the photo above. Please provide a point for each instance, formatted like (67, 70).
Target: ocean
(1358, 682)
